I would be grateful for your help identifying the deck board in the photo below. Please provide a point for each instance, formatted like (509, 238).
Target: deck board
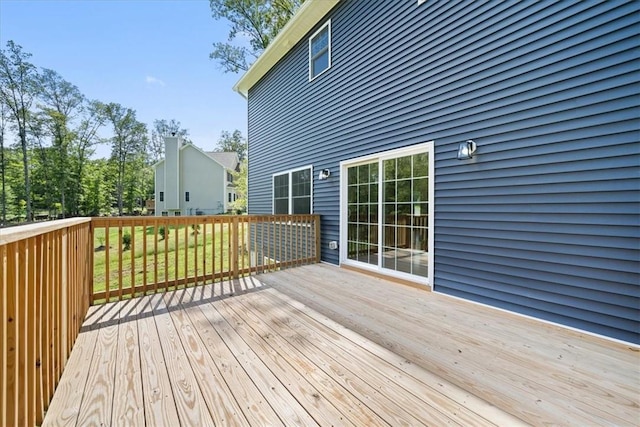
(516, 363)
(159, 405)
(128, 406)
(319, 345)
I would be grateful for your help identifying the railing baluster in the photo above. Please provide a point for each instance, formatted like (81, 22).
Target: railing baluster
(132, 256)
(120, 260)
(107, 272)
(204, 251)
(196, 232)
(144, 259)
(4, 322)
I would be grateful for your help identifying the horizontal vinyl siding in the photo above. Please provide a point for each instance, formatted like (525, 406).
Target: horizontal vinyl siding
(544, 220)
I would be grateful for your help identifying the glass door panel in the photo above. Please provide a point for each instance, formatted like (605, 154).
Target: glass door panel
(391, 233)
(362, 208)
(405, 214)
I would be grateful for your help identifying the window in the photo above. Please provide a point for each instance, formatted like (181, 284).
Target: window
(387, 212)
(165, 213)
(320, 51)
(229, 177)
(229, 198)
(162, 196)
(186, 196)
(292, 191)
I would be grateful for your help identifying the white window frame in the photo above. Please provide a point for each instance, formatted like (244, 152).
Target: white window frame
(326, 24)
(380, 157)
(290, 196)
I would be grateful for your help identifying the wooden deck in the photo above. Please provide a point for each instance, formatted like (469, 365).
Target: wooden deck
(319, 345)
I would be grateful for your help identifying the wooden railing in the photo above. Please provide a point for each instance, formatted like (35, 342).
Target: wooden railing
(51, 272)
(45, 274)
(141, 255)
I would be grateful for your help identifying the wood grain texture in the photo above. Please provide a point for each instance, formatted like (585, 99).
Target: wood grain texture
(128, 406)
(190, 404)
(97, 400)
(159, 405)
(65, 405)
(317, 345)
(539, 372)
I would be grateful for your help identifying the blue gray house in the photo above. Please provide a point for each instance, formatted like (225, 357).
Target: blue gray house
(488, 150)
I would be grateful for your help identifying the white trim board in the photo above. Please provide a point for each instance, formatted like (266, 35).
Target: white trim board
(427, 147)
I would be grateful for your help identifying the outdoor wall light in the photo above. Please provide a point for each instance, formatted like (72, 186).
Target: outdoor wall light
(324, 174)
(466, 149)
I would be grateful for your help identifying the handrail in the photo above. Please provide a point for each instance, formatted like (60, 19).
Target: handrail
(21, 232)
(166, 253)
(51, 272)
(45, 274)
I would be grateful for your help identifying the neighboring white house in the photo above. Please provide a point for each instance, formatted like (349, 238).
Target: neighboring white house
(190, 181)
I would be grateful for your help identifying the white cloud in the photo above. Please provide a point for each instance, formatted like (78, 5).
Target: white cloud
(154, 81)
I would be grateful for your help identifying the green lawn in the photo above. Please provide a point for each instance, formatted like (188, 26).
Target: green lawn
(175, 265)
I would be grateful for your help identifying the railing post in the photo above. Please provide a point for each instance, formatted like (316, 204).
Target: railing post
(90, 244)
(318, 245)
(64, 285)
(234, 247)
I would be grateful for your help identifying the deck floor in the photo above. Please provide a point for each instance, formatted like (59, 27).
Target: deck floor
(319, 345)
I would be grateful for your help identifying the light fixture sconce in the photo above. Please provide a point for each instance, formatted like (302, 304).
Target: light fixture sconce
(324, 174)
(466, 149)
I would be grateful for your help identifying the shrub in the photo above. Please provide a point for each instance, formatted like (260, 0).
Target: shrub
(126, 241)
(162, 232)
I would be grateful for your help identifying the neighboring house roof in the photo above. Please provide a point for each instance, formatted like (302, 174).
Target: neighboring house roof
(228, 159)
(307, 16)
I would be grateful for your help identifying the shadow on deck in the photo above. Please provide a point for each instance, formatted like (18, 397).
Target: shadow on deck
(319, 345)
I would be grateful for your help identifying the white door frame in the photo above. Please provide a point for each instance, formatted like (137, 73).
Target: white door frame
(380, 157)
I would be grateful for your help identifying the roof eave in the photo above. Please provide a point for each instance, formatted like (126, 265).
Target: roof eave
(308, 15)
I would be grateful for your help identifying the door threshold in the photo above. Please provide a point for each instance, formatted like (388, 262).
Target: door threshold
(387, 277)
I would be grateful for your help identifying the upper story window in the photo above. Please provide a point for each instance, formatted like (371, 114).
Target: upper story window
(162, 196)
(186, 196)
(320, 51)
(292, 191)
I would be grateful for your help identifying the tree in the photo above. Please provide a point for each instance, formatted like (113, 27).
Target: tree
(240, 181)
(162, 128)
(18, 84)
(258, 20)
(129, 141)
(3, 196)
(61, 103)
(233, 142)
(93, 117)
(97, 185)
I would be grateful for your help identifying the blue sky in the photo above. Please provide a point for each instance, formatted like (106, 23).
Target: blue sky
(148, 55)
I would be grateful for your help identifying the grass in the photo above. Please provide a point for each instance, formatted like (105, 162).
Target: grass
(181, 243)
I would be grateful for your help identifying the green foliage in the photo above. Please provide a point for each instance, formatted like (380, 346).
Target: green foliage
(127, 145)
(48, 168)
(160, 129)
(258, 21)
(163, 232)
(126, 241)
(233, 142)
(240, 181)
(96, 188)
(18, 88)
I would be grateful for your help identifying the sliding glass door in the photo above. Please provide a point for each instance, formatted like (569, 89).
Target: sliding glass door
(387, 207)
